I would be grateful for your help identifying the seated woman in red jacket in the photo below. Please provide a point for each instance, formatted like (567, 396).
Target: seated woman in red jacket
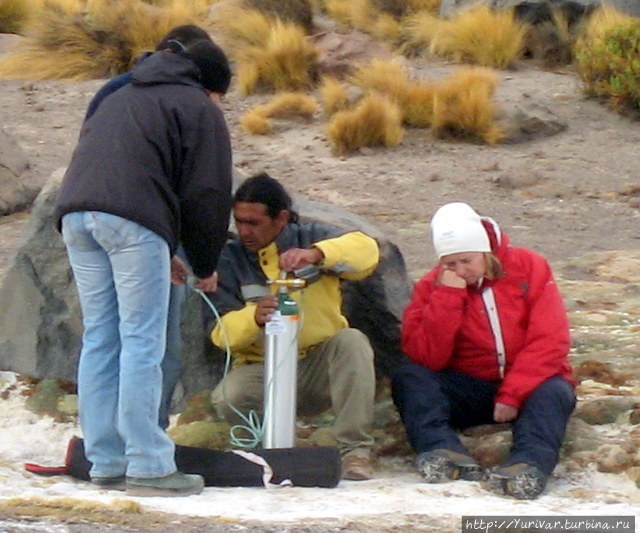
(488, 336)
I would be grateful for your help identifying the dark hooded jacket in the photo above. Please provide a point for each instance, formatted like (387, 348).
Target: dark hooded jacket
(157, 152)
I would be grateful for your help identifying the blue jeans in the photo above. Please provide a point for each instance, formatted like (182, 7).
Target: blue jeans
(433, 405)
(172, 361)
(123, 275)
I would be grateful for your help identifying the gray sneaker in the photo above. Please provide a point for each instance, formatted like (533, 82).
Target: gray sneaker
(521, 481)
(176, 484)
(109, 483)
(438, 466)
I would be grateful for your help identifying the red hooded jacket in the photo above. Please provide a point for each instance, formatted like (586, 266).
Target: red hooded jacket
(448, 328)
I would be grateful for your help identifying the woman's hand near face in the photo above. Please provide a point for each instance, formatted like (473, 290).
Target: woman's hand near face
(449, 278)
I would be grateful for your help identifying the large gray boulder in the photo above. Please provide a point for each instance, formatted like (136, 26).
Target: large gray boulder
(40, 326)
(15, 191)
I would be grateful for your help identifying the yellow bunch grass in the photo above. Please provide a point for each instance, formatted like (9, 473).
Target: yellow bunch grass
(462, 106)
(15, 14)
(73, 39)
(431, 6)
(292, 104)
(318, 6)
(358, 14)
(244, 26)
(375, 121)
(480, 36)
(141, 25)
(286, 105)
(385, 28)
(389, 77)
(333, 94)
(340, 11)
(417, 104)
(256, 122)
(386, 76)
(416, 33)
(286, 61)
(299, 12)
(363, 14)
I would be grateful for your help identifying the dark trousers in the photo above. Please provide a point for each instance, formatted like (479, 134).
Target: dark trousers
(433, 405)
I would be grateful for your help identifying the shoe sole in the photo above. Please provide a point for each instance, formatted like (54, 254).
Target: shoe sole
(441, 470)
(155, 491)
(522, 487)
(355, 476)
(115, 486)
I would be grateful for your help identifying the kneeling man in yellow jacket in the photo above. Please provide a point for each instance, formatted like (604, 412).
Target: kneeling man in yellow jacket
(336, 363)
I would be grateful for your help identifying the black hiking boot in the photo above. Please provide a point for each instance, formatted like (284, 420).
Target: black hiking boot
(438, 466)
(521, 481)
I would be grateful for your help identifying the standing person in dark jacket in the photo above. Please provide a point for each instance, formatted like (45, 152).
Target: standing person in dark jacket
(178, 39)
(152, 168)
(489, 338)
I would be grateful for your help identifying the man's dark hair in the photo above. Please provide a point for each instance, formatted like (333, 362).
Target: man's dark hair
(263, 189)
(215, 71)
(181, 37)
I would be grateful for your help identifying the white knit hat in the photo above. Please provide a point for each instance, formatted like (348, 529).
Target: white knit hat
(457, 228)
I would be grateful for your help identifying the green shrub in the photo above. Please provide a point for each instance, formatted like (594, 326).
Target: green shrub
(610, 67)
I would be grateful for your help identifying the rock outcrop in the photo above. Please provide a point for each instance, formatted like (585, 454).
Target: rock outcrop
(40, 327)
(15, 194)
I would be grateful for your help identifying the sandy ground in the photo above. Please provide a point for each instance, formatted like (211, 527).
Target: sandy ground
(583, 201)
(586, 177)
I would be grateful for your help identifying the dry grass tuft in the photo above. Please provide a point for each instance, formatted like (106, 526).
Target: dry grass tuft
(286, 61)
(385, 28)
(417, 104)
(298, 12)
(334, 95)
(292, 104)
(431, 6)
(385, 76)
(359, 14)
(286, 105)
(256, 122)
(375, 121)
(395, 8)
(388, 77)
(70, 507)
(244, 26)
(462, 106)
(15, 14)
(417, 33)
(73, 40)
(480, 36)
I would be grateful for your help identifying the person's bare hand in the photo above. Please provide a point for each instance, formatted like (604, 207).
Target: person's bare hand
(296, 258)
(209, 284)
(179, 271)
(449, 278)
(267, 305)
(504, 413)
